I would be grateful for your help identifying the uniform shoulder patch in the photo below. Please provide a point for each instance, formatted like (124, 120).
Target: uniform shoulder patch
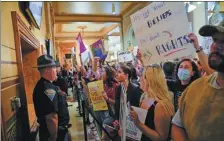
(50, 93)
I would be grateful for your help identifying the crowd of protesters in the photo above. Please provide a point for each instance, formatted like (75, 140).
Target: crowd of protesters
(184, 99)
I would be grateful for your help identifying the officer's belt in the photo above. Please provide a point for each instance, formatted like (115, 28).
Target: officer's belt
(64, 127)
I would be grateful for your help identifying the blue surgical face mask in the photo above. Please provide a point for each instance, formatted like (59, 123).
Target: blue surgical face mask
(183, 74)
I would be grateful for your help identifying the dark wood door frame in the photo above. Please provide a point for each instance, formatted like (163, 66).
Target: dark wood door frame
(22, 31)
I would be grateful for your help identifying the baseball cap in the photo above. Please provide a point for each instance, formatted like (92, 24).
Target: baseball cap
(209, 30)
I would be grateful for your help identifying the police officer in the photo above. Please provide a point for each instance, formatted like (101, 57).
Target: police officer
(61, 81)
(63, 113)
(45, 98)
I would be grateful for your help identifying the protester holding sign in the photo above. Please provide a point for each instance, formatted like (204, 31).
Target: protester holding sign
(159, 105)
(110, 86)
(186, 72)
(159, 36)
(203, 58)
(204, 121)
(133, 91)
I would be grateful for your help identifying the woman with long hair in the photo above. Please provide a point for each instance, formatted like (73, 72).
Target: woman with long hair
(186, 72)
(110, 86)
(160, 107)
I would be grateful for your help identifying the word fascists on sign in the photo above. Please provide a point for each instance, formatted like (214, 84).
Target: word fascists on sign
(159, 18)
(173, 44)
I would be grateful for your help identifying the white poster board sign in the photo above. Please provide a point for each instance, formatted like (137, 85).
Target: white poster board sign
(161, 30)
(125, 56)
(122, 113)
(128, 128)
(132, 131)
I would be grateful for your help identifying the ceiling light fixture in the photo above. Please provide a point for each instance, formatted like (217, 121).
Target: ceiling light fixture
(113, 9)
(82, 30)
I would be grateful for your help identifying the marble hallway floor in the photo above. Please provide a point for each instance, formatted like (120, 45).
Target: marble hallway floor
(77, 129)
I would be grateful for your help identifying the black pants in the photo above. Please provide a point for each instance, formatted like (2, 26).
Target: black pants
(61, 134)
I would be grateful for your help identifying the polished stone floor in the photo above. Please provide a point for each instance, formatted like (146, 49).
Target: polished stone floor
(77, 129)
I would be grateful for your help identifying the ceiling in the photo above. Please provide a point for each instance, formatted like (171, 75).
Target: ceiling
(92, 31)
(90, 8)
(97, 17)
(74, 27)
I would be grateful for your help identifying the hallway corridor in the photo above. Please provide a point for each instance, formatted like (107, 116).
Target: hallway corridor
(77, 131)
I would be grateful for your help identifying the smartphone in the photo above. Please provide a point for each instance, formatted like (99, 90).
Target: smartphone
(109, 128)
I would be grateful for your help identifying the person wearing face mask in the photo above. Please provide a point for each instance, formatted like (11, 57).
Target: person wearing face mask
(200, 116)
(186, 72)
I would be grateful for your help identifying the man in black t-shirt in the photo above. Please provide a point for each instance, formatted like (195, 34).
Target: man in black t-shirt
(45, 98)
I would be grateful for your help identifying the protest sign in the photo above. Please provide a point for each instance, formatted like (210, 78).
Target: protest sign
(129, 130)
(122, 114)
(98, 49)
(206, 43)
(132, 131)
(161, 30)
(96, 96)
(125, 56)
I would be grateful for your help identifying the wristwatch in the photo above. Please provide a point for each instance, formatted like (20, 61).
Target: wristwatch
(198, 50)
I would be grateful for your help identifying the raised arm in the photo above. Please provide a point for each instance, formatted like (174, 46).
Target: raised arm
(203, 58)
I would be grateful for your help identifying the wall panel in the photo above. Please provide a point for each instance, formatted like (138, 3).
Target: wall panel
(8, 54)
(6, 94)
(9, 70)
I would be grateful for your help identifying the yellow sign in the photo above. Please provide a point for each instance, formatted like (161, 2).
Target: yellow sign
(96, 95)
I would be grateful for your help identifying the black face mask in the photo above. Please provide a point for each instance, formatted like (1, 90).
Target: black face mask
(214, 63)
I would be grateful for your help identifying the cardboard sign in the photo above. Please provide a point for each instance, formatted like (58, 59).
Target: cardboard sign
(125, 56)
(96, 96)
(161, 30)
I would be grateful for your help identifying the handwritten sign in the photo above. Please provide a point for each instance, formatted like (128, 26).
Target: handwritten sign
(161, 30)
(96, 96)
(125, 56)
(129, 130)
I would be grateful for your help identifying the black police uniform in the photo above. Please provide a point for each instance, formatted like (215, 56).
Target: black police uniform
(63, 114)
(62, 83)
(63, 117)
(45, 98)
